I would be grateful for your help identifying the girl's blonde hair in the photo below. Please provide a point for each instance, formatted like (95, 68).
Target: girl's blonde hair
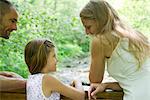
(108, 21)
(36, 54)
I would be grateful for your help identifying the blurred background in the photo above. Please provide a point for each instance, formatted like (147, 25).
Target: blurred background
(59, 21)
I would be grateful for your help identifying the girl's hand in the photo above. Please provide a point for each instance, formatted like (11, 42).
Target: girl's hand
(94, 89)
(73, 83)
(76, 83)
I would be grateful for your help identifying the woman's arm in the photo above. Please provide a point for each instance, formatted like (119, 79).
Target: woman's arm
(97, 61)
(74, 93)
(100, 87)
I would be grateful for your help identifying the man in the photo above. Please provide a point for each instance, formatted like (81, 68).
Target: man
(8, 23)
(8, 18)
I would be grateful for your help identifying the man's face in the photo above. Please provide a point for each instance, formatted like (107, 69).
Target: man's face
(8, 23)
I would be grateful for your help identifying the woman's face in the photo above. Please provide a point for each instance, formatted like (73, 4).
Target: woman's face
(90, 26)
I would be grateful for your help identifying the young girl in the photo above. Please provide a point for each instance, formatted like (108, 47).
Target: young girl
(41, 59)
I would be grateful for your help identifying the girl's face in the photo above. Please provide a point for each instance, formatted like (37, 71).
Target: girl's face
(51, 61)
(90, 26)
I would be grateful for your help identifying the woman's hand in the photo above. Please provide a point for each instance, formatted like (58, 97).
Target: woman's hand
(95, 88)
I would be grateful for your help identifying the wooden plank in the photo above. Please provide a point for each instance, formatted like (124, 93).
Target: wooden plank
(18, 94)
(21, 95)
(12, 96)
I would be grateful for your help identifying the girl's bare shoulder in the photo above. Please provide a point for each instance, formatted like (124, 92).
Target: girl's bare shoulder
(50, 78)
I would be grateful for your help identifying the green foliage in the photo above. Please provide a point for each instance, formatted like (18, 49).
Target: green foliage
(43, 19)
(58, 20)
(137, 14)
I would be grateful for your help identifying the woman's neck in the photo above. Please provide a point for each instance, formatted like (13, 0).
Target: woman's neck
(112, 39)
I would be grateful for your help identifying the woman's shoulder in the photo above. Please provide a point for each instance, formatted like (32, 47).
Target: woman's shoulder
(98, 43)
(97, 40)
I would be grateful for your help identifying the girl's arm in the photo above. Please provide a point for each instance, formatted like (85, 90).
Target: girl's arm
(52, 84)
(97, 61)
(77, 84)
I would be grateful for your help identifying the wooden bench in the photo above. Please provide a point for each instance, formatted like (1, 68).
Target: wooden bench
(21, 95)
(13, 95)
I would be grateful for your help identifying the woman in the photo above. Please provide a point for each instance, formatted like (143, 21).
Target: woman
(125, 50)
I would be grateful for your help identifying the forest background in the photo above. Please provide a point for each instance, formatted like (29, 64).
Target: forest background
(59, 21)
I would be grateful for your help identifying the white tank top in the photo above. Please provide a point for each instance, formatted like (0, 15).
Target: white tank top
(122, 66)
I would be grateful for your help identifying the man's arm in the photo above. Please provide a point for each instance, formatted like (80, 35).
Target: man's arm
(10, 74)
(10, 83)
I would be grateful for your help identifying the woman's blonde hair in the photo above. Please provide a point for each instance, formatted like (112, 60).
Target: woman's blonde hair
(36, 54)
(108, 21)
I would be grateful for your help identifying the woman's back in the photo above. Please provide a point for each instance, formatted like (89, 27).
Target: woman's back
(123, 66)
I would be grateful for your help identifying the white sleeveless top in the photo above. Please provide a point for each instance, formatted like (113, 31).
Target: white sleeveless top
(122, 66)
(34, 89)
